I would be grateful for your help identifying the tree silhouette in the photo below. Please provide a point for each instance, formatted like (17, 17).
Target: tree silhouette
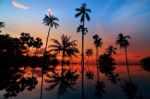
(83, 13)
(2, 24)
(123, 43)
(89, 52)
(72, 52)
(111, 50)
(64, 81)
(50, 21)
(37, 44)
(98, 43)
(27, 40)
(63, 47)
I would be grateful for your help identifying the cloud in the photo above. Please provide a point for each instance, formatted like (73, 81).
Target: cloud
(49, 12)
(19, 5)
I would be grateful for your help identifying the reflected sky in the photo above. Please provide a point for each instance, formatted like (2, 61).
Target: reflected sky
(138, 75)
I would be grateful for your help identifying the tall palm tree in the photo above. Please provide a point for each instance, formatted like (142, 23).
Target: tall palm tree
(2, 24)
(63, 47)
(83, 13)
(37, 44)
(122, 41)
(111, 50)
(50, 21)
(89, 52)
(98, 43)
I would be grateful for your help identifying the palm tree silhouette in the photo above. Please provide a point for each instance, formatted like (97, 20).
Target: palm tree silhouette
(123, 43)
(2, 24)
(89, 73)
(37, 44)
(89, 52)
(111, 50)
(63, 47)
(83, 13)
(50, 21)
(98, 43)
(27, 40)
(114, 77)
(66, 80)
(72, 53)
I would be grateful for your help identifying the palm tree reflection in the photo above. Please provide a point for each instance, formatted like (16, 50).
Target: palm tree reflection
(64, 81)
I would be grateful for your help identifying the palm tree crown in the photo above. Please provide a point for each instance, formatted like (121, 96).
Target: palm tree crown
(38, 42)
(122, 40)
(97, 41)
(82, 29)
(89, 52)
(64, 46)
(83, 12)
(2, 24)
(50, 21)
(111, 50)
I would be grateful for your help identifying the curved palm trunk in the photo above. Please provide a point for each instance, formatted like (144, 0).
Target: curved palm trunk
(41, 84)
(47, 40)
(42, 67)
(127, 64)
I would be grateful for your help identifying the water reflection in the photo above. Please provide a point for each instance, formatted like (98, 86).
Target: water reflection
(68, 83)
(65, 81)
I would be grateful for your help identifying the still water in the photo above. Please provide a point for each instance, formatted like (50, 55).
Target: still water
(72, 85)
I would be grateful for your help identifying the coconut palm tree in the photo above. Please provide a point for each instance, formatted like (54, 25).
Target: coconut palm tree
(98, 43)
(83, 13)
(37, 44)
(72, 53)
(111, 50)
(63, 82)
(50, 21)
(89, 52)
(63, 47)
(123, 42)
(2, 24)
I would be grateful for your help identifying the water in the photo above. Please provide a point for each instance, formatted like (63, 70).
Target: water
(64, 86)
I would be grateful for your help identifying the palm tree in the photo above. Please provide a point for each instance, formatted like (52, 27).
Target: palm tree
(64, 81)
(50, 21)
(123, 43)
(89, 52)
(2, 24)
(98, 43)
(37, 44)
(72, 53)
(111, 50)
(63, 47)
(83, 13)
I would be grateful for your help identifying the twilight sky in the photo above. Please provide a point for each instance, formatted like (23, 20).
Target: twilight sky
(108, 18)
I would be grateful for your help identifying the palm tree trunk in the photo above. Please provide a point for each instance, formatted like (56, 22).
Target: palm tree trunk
(88, 63)
(41, 84)
(82, 95)
(47, 40)
(127, 63)
(62, 62)
(36, 52)
(83, 62)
